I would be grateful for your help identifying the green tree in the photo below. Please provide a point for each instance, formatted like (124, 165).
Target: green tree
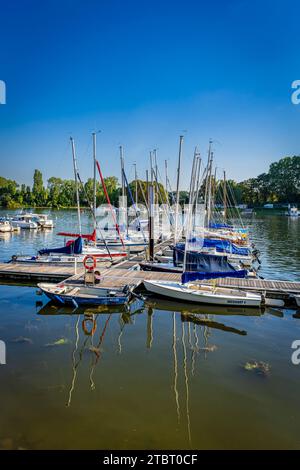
(38, 190)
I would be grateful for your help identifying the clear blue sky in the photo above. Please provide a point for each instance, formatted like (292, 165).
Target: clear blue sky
(142, 72)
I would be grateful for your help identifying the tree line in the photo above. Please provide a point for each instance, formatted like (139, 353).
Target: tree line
(281, 184)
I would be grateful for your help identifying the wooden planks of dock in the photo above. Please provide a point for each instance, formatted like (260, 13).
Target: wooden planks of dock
(36, 272)
(128, 273)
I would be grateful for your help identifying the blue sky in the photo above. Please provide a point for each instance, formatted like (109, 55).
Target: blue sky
(143, 72)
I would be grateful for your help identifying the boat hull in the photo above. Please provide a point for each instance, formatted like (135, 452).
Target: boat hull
(100, 297)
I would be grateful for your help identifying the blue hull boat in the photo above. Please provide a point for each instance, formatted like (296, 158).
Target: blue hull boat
(76, 295)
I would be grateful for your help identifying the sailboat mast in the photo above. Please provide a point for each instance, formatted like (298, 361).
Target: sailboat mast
(177, 187)
(155, 174)
(76, 182)
(95, 187)
(190, 209)
(136, 185)
(198, 176)
(166, 172)
(122, 174)
(207, 176)
(209, 190)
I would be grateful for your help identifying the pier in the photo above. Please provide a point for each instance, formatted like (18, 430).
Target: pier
(128, 273)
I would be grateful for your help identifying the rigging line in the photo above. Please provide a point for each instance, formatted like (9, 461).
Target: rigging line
(110, 206)
(98, 355)
(134, 205)
(143, 194)
(186, 384)
(161, 198)
(73, 362)
(195, 349)
(93, 215)
(175, 369)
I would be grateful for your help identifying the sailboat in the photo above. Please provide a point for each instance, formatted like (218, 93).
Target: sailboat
(84, 244)
(203, 294)
(200, 266)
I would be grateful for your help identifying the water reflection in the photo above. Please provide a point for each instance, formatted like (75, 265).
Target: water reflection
(91, 326)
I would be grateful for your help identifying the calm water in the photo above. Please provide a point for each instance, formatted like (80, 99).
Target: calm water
(162, 375)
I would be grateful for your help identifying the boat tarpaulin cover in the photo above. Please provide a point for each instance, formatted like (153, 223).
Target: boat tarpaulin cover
(227, 246)
(202, 262)
(220, 226)
(73, 248)
(197, 276)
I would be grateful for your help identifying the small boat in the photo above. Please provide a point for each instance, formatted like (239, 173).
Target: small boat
(203, 294)
(73, 252)
(5, 226)
(297, 298)
(42, 220)
(72, 294)
(160, 267)
(292, 211)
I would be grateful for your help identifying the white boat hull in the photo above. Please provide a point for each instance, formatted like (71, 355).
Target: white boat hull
(182, 292)
(24, 225)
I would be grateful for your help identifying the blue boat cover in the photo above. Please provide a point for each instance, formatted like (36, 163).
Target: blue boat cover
(220, 226)
(196, 276)
(220, 245)
(73, 248)
(197, 261)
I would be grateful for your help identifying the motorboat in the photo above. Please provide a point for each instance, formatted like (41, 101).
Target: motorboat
(6, 226)
(42, 220)
(292, 211)
(24, 221)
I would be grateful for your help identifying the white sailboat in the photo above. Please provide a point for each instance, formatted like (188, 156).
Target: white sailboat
(203, 294)
(196, 292)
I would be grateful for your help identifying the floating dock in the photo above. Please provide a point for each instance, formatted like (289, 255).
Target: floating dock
(35, 272)
(128, 272)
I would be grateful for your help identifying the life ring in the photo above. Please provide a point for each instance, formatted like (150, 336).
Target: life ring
(90, 262)
(92, 331)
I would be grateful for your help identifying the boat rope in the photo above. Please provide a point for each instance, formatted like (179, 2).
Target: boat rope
(109, 203)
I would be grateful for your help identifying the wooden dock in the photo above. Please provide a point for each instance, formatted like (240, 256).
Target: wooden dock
(36, 272)
(127, 272)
